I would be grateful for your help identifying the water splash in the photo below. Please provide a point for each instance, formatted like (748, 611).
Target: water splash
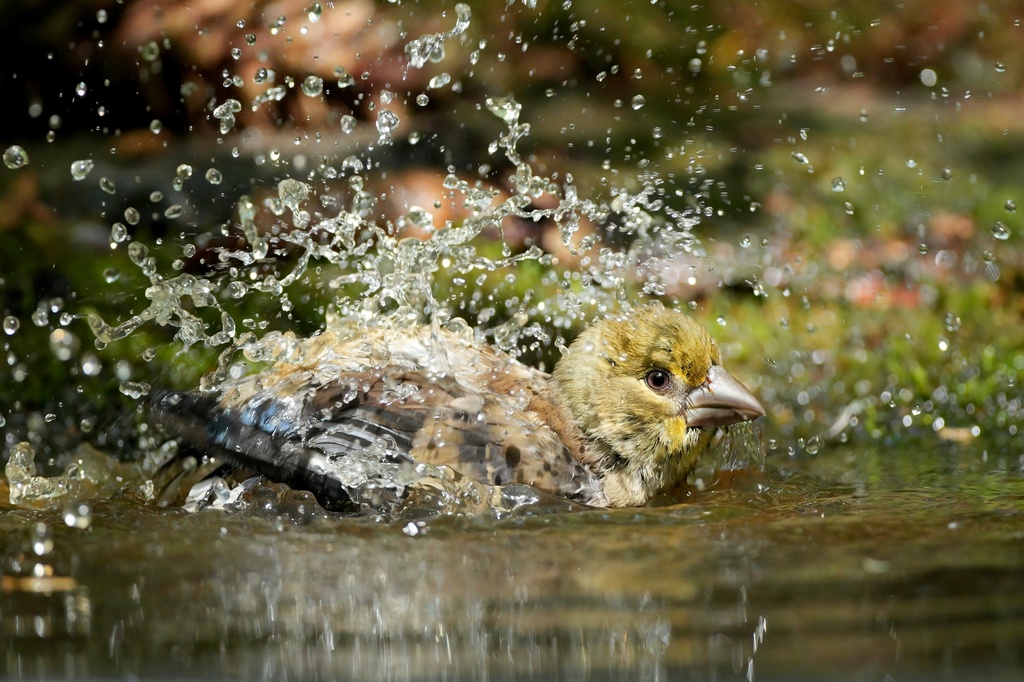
(389, 275)
(385, 274)
(430, 47)
(324, 236)
(15, 157)
(25, 485)
(90, 474)
(385, 494)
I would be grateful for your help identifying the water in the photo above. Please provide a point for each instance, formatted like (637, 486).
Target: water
(409, 173)
(914, 583)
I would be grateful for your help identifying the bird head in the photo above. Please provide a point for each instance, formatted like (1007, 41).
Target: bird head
(647, 391)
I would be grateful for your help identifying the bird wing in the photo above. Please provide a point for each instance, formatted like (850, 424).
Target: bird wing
(364, 433)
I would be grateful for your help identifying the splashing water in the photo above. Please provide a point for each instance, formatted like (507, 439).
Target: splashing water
(430, 47)
(24, 483)
(90, 474)
(324, 230)
(388, 275)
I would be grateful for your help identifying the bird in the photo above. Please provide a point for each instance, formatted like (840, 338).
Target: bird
(625, 414)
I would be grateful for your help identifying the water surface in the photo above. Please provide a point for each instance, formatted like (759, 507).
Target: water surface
(851, 565)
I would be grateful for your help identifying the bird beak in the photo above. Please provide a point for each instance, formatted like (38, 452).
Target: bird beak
(721, 401)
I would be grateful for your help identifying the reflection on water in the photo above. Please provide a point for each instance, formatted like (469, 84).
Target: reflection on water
(779, 576)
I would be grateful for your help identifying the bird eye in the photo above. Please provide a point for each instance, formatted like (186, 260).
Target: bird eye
(657, 379)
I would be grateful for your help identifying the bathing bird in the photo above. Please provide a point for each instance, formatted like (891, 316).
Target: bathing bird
(626, 413)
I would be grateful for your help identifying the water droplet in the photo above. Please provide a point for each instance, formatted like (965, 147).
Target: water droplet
(41, 539)
(1010, 206)
(354, 164)
(118, 233)
(348, 123)
(422, 99)
(928, 77)
(78, 514)
(314, 12)
(838, 184)
(1000, 231)
(63, 344)
(439, 81)
(81, 89)
(387, 121)
(107, 185)
(462, 18)
(345, 79)
(237, 290)
(638, 102)
(952, 322)
(80, 169)
(225, 113)
(1000, 67)
(91, 365)
(694, 65)
(40, 318)
(150, 51)
(134, 389)
(800, 157)
(292, 193)
(213, 176)
(137, 252)
(184, 171)
(11, 325)
(313, 86)
(156, 126)
(813, 445)
(132, 215)
(420, 218)
(947, 173)
(15, 157)
(505, 108)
